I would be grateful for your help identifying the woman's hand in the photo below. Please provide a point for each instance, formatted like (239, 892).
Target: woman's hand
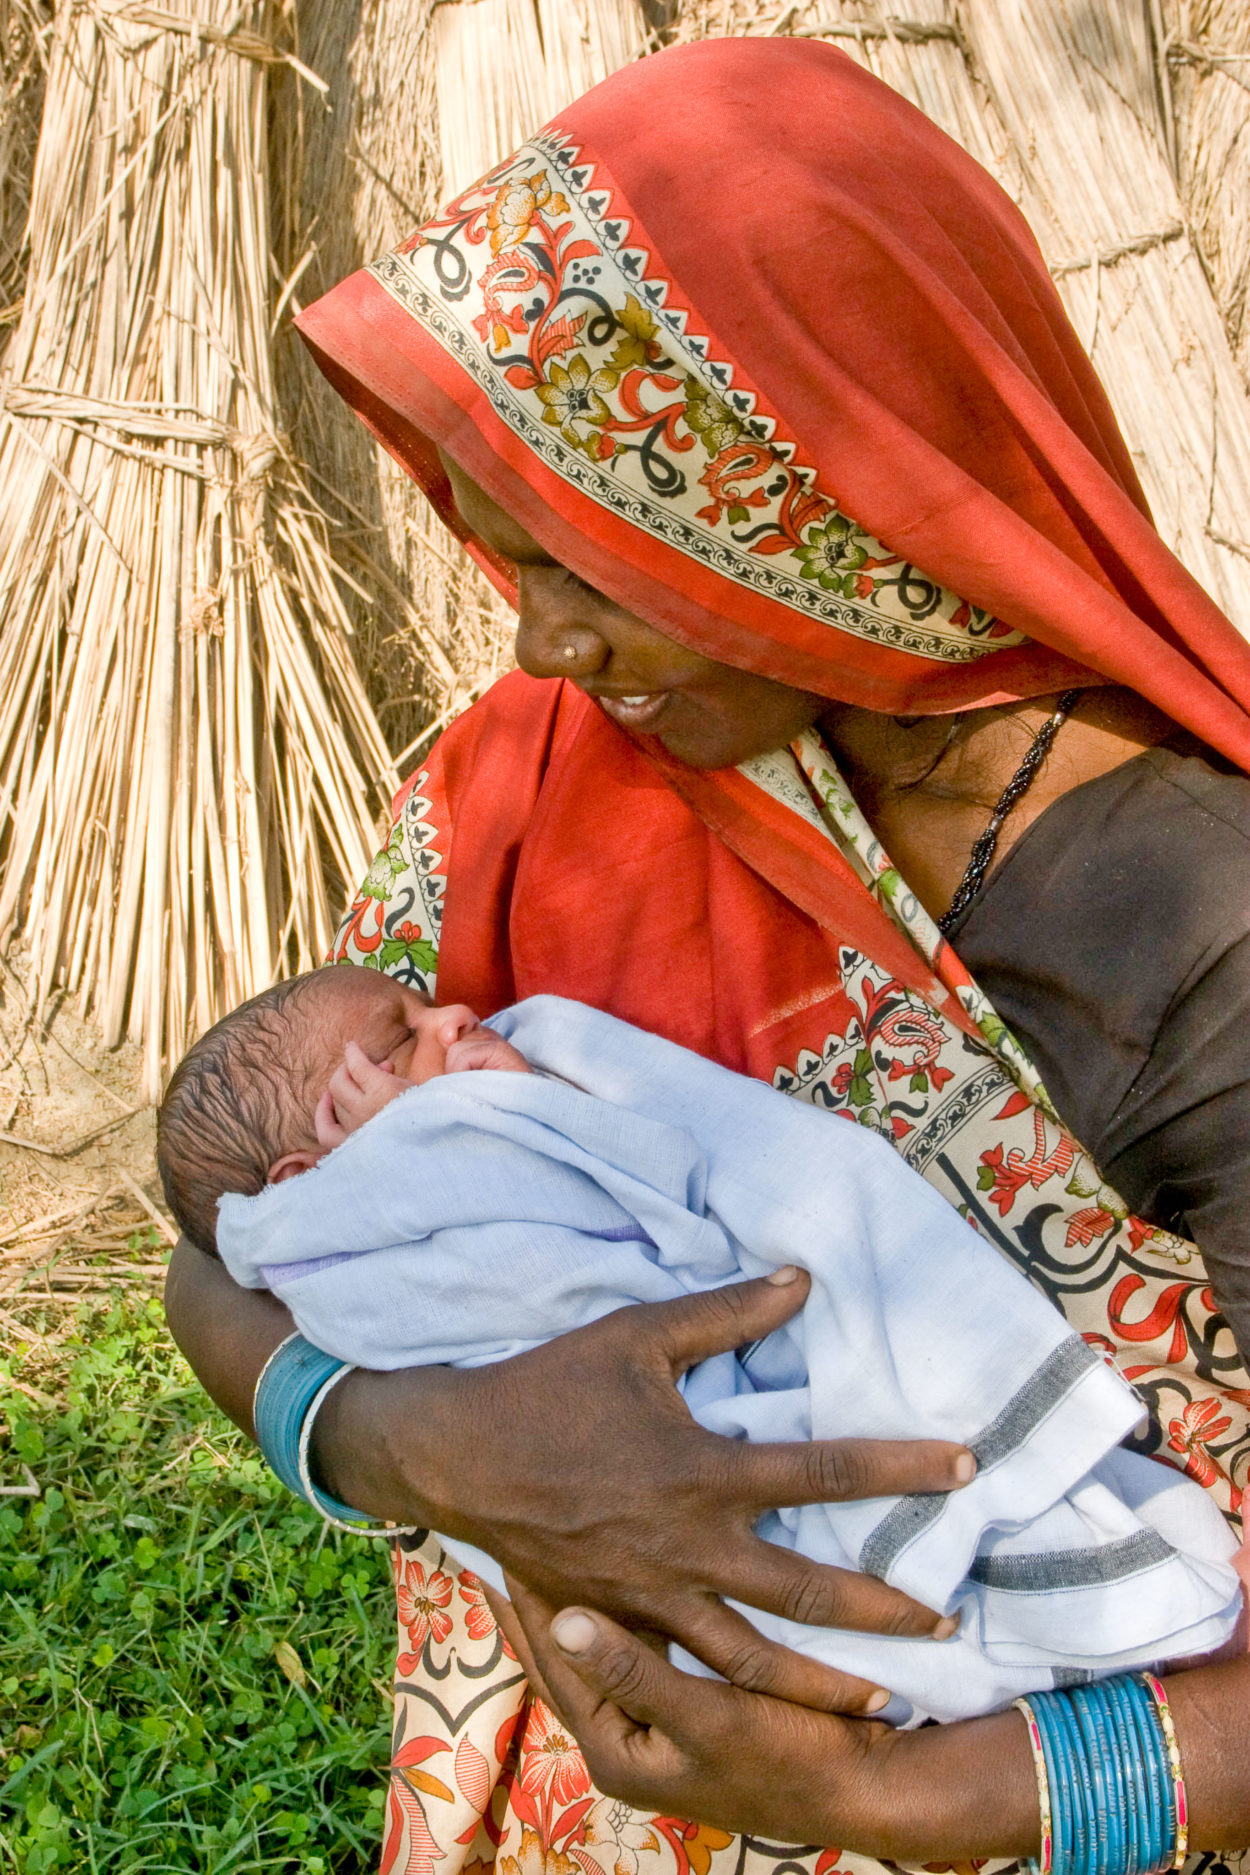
(580, 1468)
(671, 1744)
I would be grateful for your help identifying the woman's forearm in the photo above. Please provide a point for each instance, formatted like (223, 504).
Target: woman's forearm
(970, 1789)
(957, 1792)
(227, 1333)
(952, 1792)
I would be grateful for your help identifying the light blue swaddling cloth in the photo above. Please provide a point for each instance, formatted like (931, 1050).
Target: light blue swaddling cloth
(485, 1213)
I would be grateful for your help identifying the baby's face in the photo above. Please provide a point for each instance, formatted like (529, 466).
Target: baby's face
(397, 1027)
(368, 1039)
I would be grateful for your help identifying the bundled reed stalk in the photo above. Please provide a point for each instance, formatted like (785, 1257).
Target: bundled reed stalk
(505, 66)
(353, 173)
(24, 28)
(424, 96)
(189, 765)
(1062, 102)
(1205, 66)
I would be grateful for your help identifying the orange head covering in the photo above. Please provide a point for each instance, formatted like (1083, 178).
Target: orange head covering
(756, 350)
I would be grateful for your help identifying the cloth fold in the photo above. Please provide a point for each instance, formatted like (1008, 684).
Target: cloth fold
(482, 1214)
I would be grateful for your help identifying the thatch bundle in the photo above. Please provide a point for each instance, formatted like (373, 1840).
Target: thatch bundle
(1205, 69)
(24, 27)
(186, 747)
(425, 95)
(519, 61)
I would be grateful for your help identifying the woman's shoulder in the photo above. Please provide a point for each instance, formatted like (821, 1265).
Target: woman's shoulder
(1115, 939)
(1155, 854)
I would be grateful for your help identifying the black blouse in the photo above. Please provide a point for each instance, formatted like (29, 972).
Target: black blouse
(1114, 938)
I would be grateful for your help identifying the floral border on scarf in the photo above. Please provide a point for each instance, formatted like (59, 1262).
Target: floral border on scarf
(545, 295)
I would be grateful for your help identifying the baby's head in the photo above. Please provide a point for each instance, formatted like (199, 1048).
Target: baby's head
(249, 1104)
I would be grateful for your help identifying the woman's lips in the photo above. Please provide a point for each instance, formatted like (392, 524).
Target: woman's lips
(637, 712)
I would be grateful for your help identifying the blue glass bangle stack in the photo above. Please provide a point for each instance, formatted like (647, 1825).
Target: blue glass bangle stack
(1109, 1781)
(293, 1383)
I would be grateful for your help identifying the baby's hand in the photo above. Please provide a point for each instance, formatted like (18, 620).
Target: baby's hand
(358, 1089)
(482, 1048)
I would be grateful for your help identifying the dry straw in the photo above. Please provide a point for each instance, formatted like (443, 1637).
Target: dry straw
(24, 31)
(188, 761)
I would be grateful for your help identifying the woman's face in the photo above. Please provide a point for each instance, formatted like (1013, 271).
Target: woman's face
(705, 714)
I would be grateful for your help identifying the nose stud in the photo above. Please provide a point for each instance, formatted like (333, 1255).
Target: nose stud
(568, 652)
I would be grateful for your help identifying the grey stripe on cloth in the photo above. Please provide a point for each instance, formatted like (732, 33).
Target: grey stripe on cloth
(1023, 1413)
(1073, 1568)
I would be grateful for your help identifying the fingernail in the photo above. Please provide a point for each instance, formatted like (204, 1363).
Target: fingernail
(786, 1274)
(948, 1625)
(574, 1633)
(877, 1700)
(965, 1469)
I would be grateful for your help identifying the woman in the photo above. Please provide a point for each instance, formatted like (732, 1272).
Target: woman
(755, 392)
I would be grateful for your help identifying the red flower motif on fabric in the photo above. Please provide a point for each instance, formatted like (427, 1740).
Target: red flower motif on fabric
(1191, 1434)
(534, 1859)
(550, 1757)
(422, 1601)
(479, 1620)
(1004, 1173)
(1084, 1226)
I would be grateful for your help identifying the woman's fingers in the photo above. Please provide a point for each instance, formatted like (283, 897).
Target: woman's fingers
(834, 1471)
(716, 1321)
(607, 1683)
(725, 1641)
(784, 1583)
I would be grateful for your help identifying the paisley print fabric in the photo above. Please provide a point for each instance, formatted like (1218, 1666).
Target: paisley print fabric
(746, 343)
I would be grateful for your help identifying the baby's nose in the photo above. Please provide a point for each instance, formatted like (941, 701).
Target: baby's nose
(455, 1020)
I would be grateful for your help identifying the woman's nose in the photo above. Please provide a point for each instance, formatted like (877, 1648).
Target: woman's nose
(553, 638)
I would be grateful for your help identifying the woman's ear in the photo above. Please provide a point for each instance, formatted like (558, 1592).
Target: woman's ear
(292, 1163)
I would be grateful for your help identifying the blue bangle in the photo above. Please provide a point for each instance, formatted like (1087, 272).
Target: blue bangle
(1126, 1798)
(1060, 1780)
(1107, 1845)
(296, 1376)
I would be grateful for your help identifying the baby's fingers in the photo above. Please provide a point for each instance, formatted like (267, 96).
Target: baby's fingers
(326, 1123)
(371, 1077)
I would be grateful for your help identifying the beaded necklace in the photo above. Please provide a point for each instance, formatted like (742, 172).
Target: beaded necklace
(987, 843)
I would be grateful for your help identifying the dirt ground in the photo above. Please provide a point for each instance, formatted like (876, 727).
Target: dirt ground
(79, 1198)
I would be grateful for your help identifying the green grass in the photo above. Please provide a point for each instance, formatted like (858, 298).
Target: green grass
(188, 1666)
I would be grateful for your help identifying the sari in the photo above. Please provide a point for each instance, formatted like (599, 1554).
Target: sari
(750, 346)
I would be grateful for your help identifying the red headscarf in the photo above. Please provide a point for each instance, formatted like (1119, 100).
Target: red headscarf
(756, 350)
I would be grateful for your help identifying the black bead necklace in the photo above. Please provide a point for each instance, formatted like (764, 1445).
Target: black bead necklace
(987, 844)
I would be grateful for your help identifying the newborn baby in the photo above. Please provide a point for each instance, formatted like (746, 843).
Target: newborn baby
(330, 1140)
(279, 1082)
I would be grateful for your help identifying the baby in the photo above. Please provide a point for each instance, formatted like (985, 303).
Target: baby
(420, 1187)
(283, 1079)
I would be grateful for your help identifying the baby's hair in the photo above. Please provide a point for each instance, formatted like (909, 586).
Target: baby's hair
(226, 1115)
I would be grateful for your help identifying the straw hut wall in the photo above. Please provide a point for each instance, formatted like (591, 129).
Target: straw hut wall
(24, 30)
(226, 619)
(1205, 67)
(354, 173)
(187, 752)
